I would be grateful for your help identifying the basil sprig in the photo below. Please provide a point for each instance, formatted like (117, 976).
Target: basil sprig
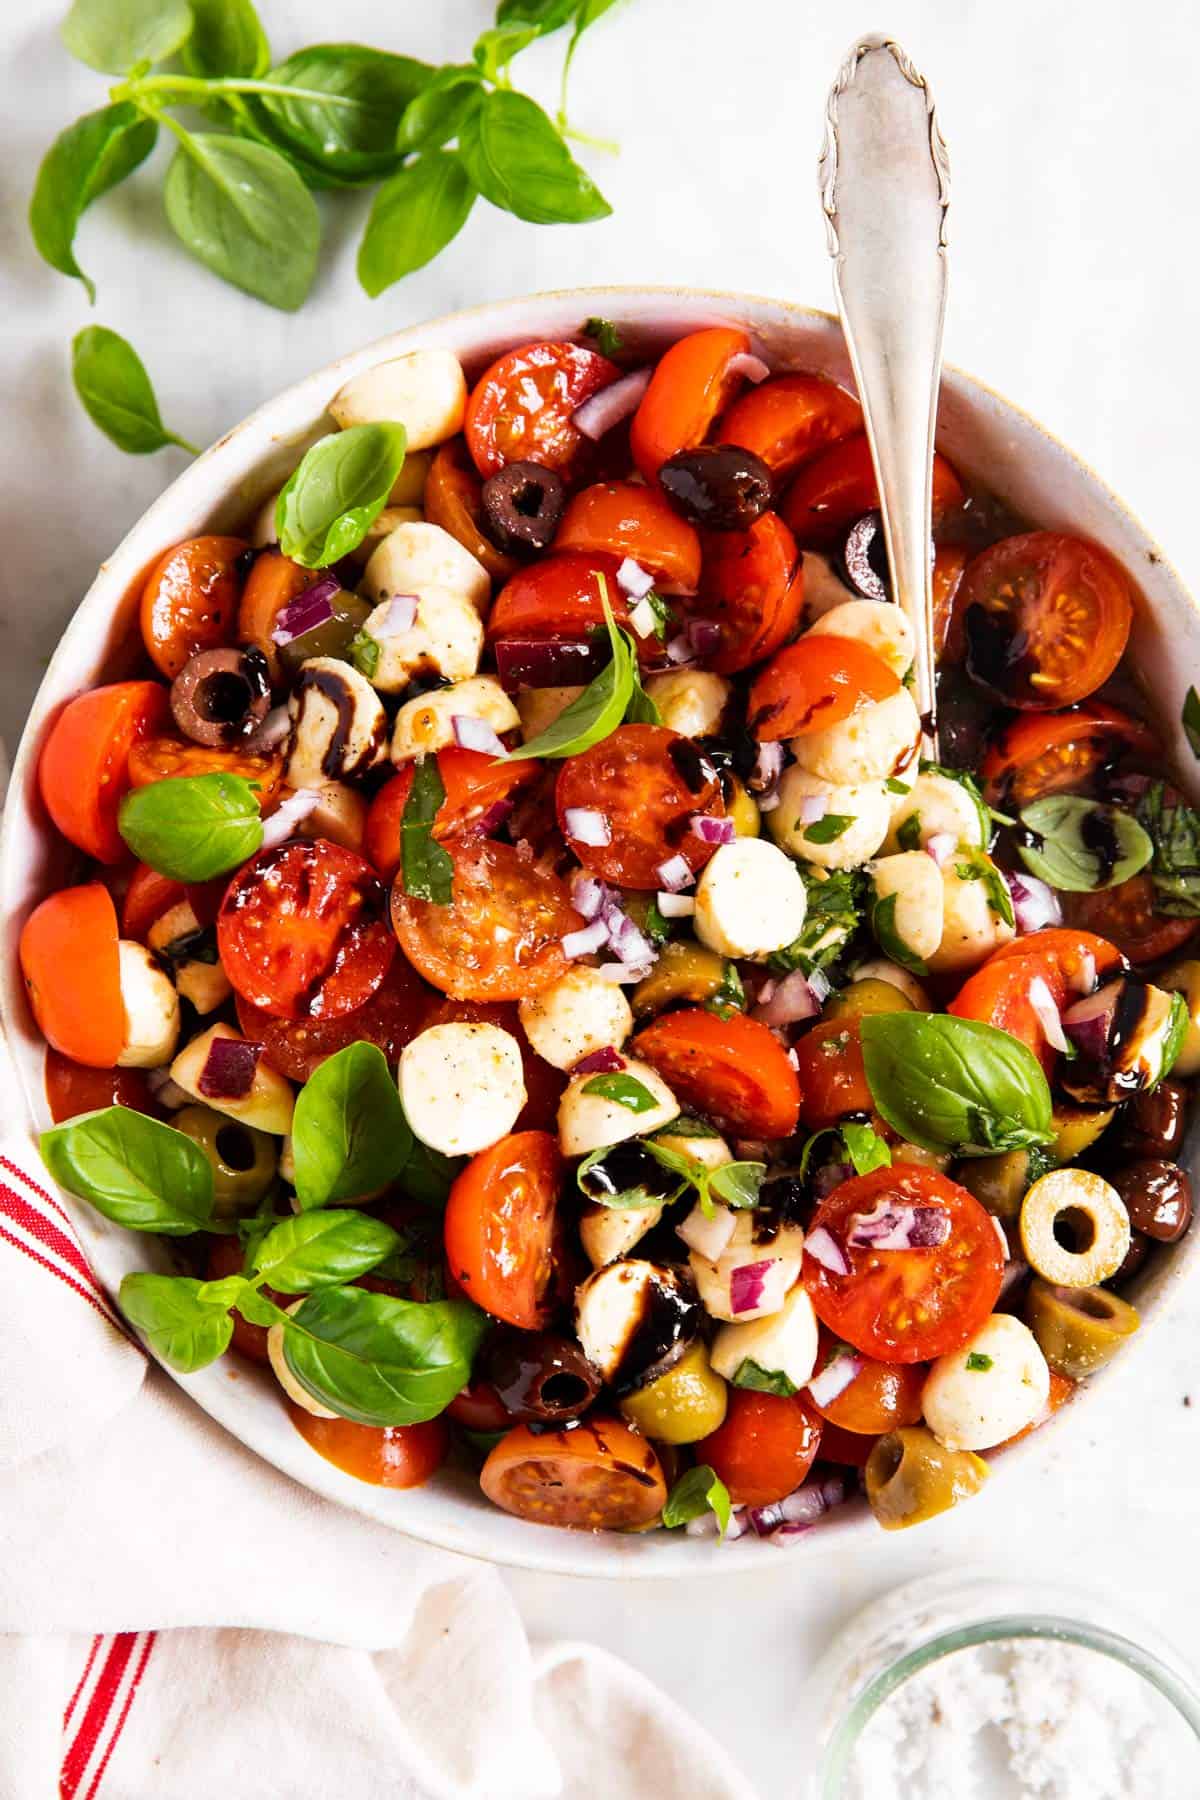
(955, 1084)
(426, 867)
(596, 713)
(349, 1133)
(379, 1360)
(111, 381)
(735, 1184)
(1081, 846)
(192, 827)
(1174, 830)
(134, 1170)
(698, 1491)
(341, 486)
(833, 915)
(323, 1249)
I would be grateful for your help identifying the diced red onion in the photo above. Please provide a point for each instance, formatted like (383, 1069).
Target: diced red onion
(495, 816)
(709, 1238)
(711, 831)
(1034, 903)
(675, 906)
(401, 616)
(768, 767)
(280, 826)
(751, 367)
(587, 826)
(812, 808)
(788, 1001)
(1049, 1018)
(630, 944)
(600, 1062)
(1085, 975)
(941, 845)
(643, 619)
(542, 663)
(824, 1248)
(898, 1226)
(591, 938)
(588, 896)
(680, 652)
(800, 1511)
(704, 635)
(471, 733)
(309, 609)
(612, 404)
(271, 733)
(675, 873)
(747, 1284)
(834, 1379)
(633, 580)
(1089, 1022)
(228, 1072)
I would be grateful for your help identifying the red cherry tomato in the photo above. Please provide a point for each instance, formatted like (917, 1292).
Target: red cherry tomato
(148, 896)
(390, 1019)
(733, 1069)
(849, 1449)
(814, 683)
(622, 519)
(999, 992)
(558, 597)
(882, 1396)
(475, 783)
(1052, 753)
(906, 1306)
(1128, 915)
(752, 589)
(544, 1085)
(1046, 619)
(165, 758)
(647, 783)
(303, 932)
(788, 419)
(839, 486)
(68, 952)
(694, 381)
(830, 1071)
(73, 1088)
(765, 1446)
(479, 1408)
(394, 1456)
(599, 1476)
(502, 1229)
(190, 601)
(522, 409)
(83, 771)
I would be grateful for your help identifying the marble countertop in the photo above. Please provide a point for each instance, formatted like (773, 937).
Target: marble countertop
(1074, 134)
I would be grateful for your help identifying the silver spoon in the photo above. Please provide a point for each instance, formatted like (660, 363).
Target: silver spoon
(885, 181)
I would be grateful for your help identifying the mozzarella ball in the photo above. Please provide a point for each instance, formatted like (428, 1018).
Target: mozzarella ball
(575, 1016)
(539, 707)
(339, 815)
(690, 701)
(750, 900)
(588, 1122)
(416, 557)
(971, 927)
(941, 807)
(151, 1009)
(993, 1387)
(878, 968)
(610, 1313)
(204, 984)
(780, 1256)
(873, 744)
(283, 1374)
(610, 1232)
(267, 1107)
(867, 807)
(389, 520)
(824, 587)
(916, 881)
(783, 1343)
(445, 638)
(425, 391)
(339, 727)
(427, 723)
(463, 1086)
(879, 624)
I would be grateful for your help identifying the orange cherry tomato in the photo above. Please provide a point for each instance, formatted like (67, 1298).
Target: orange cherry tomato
(84, 772)
(998, 993)
(148, 896)
(830, 1071)
(790, 418)
(1052, 753)
(949, 561)
(882, 1396)
(501, 936)
(165, 758)
(626, 520)
(1062, 1390)
(1046, 619)
(734, 1069)
(522, 408)
(474, 782)
(1128, 915)
(906, 1306)
(503, 1238)
(647, 783)
(544, 1085)
(599, 1476)
(752, 588)
(452, 499)
(814, 683)
(396, 1456)
(694, 381)
(68, 952)
(273, 583)
(839, 486)
(390, 1019)
(558, 597)
(764, 1447)
(302, 931)
(190, 601)
(73, 1088)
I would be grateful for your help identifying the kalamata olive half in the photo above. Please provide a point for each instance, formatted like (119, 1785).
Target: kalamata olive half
(721, 486)
(523, 506)
(538, 1375)
(865, 558)
(1158, 1198)
(219, 696)
(1153, 1123)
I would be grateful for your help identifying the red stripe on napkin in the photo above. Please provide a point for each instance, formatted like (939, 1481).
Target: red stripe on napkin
(49, 1235)
(119, 1726)
(15, 1169)
(54, 1269)
(101, 1726)
(87, 1669)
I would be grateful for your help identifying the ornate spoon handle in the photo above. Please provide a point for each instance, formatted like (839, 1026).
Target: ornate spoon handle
(885, 181)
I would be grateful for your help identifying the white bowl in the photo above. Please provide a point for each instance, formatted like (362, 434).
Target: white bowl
(983, 435)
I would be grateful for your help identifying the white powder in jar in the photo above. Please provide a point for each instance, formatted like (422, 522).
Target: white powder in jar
(1028, 1719)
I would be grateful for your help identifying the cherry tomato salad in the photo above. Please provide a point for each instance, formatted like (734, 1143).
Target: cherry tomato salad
(522, 962)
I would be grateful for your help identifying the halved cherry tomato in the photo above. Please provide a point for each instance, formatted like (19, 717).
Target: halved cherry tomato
(694, 381)
(479, 1408)
(839, 486)
(503, 1234)
(84, 772)
(849, 1449)
(949, 561)
(390, 1019)
(273, 583)
(165, 758)
(544, 1085)
(1062, 1389)
(521, 409)
(1066, 952)
(1128, 915)
(226, 1257)
(73, 1088)
(474, 781)
(190, 601)
(882, 1396)
(627, 520)
(396, 1456)
(829, 1068)
(733, 1069)
(558, 597)
(790, 418)
(998, 993)
(1053, 753)
(907, 1306)
(599, 1476)
(501, 936)
(752, 588)
(814, 683)
(1046, 619)
(68, 952)
(303, 931)
(765, 1446)
(452, 500)
(148, 896)
(647, 783)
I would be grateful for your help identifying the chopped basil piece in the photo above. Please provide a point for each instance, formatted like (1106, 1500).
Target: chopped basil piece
(1175, 870)
(656, 928)
(426, 869)
(883, 924)
(909, 834)
(764, 1381)
(895, 787)
(865, 1149)
(605, 335)
(978, 866)
(623, 1090)
(698, 1491)
(730, 997)
(364, 653)
(828, 829)
(1081, 846)
(978, 1362)
(833, 915)
(973, 788)
(737, 1184)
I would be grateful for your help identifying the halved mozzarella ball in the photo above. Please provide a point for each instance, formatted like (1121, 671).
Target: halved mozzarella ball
(750, 899)
(419, 556)
(916, 882)
(879, 624)
(427, 723)
(711, 1152)
(283, 1374)
(445, 638)
(758, 1276)
(874, 743)
(867, 807)
(575, 1016)
(339, 726)
(389, 520)
(588, 1122)
(993, 1387)
(610, 1314)
(539, 707)
(408, 489)
(690, 701)
(610, 1232)
(151, 1009)
(425, 391)
(205, 984)
(941, 807)
(463, 1086)
(824, 588)
(340, 815)
(783, 1343)
(878, 968)
(269, 1104)
(971, 925)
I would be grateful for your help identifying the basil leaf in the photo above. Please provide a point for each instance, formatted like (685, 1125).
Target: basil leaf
(436, 115)
(623, 1090)
(348, 138)
(1190, 720)
(737, 1184)
(192, 827)
(641, 709)
(764, 1381)
(833, 915)
(597, 712)
(426, 869)
(696, 1492)
(1174, 830)
(349, 1133)
(496, 47)
(730, 996)
(186, 1331)
(133, 1169)
(256, 1307)
(865, 1148)
(520, 163)
(379, 1360)
(883, 924)
(547, 15)
(333, 498)
(428, 1175)
(687, 1125)
(977, 865)
(115, 390)
(955, 1084)
(323, 1249)
(243, 211)
(1081, 846)
(633, 1183)
(115, 35)
(227, 38)
(978, 1362)
(973, 788)
(828, 829)
(414, 216)
(608, 340)
(84, 161)
(908, 834)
